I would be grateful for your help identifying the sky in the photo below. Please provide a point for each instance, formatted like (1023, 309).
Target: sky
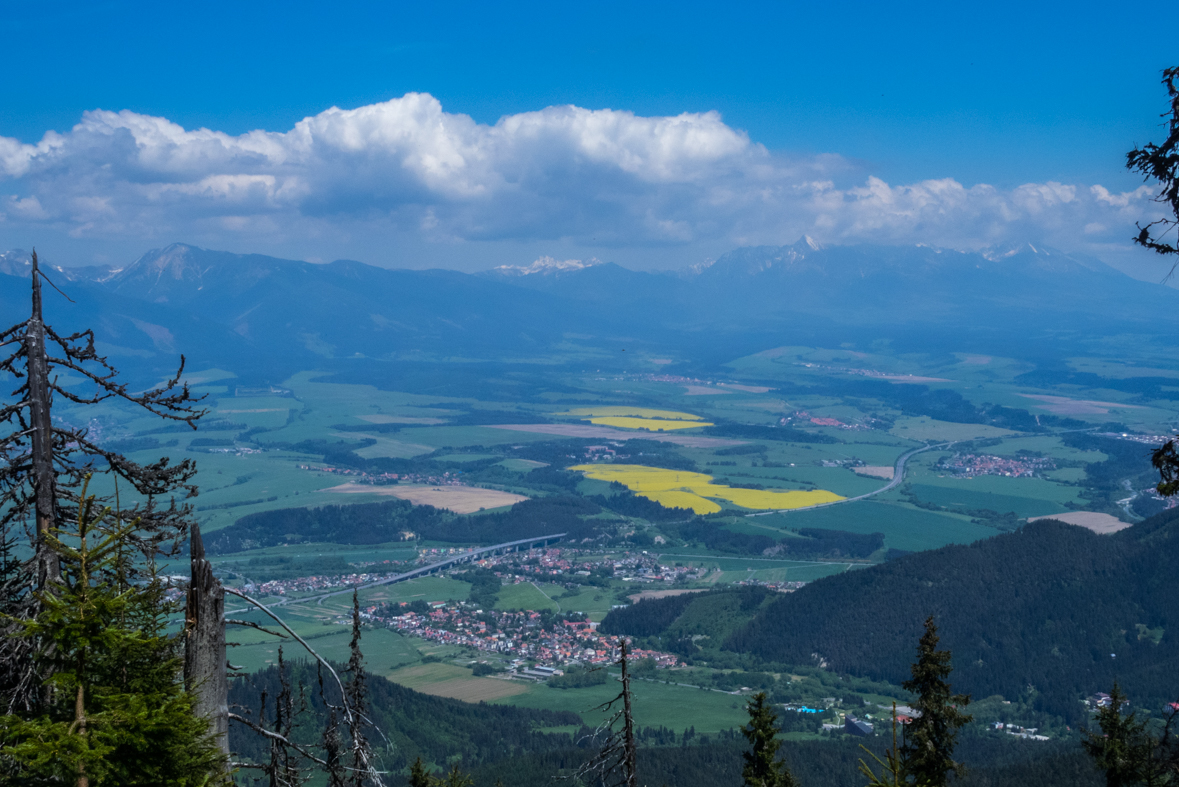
(656, 135)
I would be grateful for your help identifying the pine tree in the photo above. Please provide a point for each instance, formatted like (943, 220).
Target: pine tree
(115, 712)
(418, 775)
(762, 769)
(927, 754)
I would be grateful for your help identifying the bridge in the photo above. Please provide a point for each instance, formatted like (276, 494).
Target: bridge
(432, 568)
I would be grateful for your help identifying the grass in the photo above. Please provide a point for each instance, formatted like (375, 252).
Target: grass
(383, 649)
(929, 429)
(525, 596)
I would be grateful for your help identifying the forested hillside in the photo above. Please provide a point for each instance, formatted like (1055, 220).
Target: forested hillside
(377, 523)
(417, 725)
(1052, 611)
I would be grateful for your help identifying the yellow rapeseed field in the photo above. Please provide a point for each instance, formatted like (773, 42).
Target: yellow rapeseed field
(639, 418)
(650, 424)
(638, 412)
(682, 489)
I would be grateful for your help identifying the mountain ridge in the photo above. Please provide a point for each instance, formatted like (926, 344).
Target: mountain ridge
(288, 315)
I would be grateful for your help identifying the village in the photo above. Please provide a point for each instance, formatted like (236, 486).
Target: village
(970, 465)
(544, 640)
(378, 479)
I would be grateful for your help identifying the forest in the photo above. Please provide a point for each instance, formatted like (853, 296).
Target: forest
(1017, 611)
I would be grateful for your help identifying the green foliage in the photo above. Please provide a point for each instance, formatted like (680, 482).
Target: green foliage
(1160, 163)
(377, 523)
(115, 711)
(892, 767)
(482, 670)
(485, 586)
(1045, 606)
(927, 754)
(1126, 750)
(416, 725)
(762, 768)
(579, 678)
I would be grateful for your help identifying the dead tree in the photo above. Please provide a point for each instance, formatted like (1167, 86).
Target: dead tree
(360, 753)
(615, 763)
(360, 767)
(205, 664)
(44, 462)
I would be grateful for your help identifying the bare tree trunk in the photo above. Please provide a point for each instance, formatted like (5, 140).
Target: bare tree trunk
(205, 674)
(80, 720)
(630, 768)
(44, 478)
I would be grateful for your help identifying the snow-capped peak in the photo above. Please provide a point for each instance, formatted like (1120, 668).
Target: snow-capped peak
(547, 265)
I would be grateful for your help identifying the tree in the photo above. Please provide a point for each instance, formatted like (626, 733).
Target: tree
(616, 757)
(116, 712)
(762, 768)
(44, 463)
(1160, 163)
(360, 753)
(927, 754)
(1127, 750)
(892, 767)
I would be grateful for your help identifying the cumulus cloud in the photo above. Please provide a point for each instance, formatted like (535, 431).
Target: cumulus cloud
(561, 173)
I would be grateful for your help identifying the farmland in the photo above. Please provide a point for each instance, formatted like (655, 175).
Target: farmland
(794, 429)
(677, 489)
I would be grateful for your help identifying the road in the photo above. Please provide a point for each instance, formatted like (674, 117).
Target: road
(898, 475)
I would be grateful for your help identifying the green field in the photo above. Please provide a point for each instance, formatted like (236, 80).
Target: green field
(967, 499)
(903, 526)
(525, 596)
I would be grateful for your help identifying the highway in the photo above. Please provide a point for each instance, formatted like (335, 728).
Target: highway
(898, 475)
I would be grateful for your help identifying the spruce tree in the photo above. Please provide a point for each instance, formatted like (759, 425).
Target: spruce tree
(762, 768)
(927, 754)
(1125, 748)
(116, 712)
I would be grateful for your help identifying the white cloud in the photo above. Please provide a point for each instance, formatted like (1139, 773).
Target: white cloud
(604, 177)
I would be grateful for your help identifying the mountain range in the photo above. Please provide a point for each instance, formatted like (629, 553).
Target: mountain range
(269, 316)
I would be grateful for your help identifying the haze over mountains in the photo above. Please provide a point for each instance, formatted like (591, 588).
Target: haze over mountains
(261, 314)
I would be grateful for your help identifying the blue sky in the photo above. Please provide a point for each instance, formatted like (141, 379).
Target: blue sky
(988, 95)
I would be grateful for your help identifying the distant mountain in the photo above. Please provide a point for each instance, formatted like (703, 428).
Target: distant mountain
(19, 262)
(274, 316)
(545, 266)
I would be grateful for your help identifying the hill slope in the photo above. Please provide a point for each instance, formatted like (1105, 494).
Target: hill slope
(1051, 608)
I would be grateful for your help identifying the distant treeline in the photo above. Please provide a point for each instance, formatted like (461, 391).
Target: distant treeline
(813, 543)
(360, 523)
(377, 523)
(754, 432)
(692, 760)
(630, 504)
